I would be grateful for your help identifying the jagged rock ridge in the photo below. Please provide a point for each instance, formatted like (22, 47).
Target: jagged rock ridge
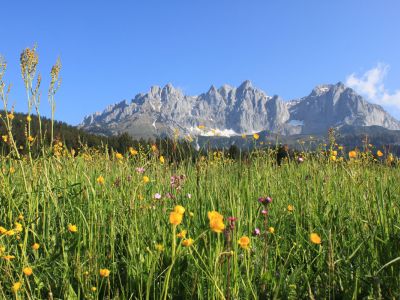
(233, 111)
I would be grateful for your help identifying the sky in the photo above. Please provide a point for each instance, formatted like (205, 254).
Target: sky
(113, 50)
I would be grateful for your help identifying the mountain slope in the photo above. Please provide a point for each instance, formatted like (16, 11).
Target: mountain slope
(234, 111)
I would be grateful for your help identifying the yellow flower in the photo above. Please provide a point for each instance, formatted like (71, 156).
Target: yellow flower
(217, 225)
(175, 218)
(191, 214)
(244, 242)
(333, 158)
(18, 227)
(201, 126)
(8, 257)
(119, 156)
(12, 170)
(334, 153)
(21, 217)
(290, 207)
(179, 209)
(72, 228)
(10, 116)
(315, 238)
(182, 234)
(35, 246)
(243, 136)
(187, 242)
(100, 180)
(93, 289)
(27, 271)
(353, 154)
(31, 138)
(216, 221)
(153, 148)
(104, 272)
(3, 230)
(5, 138)
(340, 147)
(28, 118)
(379, 153)
(159, 247)
(256, 136)
(271, 230)
(146, 179)
(162, 160)
(133, 151)
(2, 249)
(16, 286)
(10, 232)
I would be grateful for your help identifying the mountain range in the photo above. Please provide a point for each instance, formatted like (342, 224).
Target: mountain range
(233, 111)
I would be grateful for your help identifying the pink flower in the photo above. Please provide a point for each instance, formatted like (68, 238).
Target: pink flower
(140, 170)
(157, 196)
(264, 212)
(256, 232)
(300, 159)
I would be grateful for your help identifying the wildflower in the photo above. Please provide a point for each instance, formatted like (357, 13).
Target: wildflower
(16, 286)
(10, 232)
(290, 208)
(256, 136)
(5, 138)
(216, 221)
(153, 148)
(132, 151)
(353, 154)
(340, 147)
(244, 242)
(271, 230)
(191, 214)
(334, 153)
(182, 234)
(20, 217)
(119, 156)
(93, 289)
(333, 158)
(175, 218)
(162, 160)
(187, 242)
(157, 196)
(179, 209)
(72, 228)
(35, 246)
(27, 271)
(12, 170)
(28, 118)
(264, 212)
(146, 179)
(189, 195)
(100, 180)
(18, 227)
(104, 272)
(10, 116)
(3, 230)
(8, 257)
(379, 153)
(159, 247)
(256, 232)
(31, 138)
(140, 170)
(232, 221)
(2, 249)
(315, 238)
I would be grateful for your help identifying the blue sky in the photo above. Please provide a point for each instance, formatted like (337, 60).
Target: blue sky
(112, 50)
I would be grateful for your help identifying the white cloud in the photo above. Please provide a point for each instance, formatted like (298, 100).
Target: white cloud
(371, 85)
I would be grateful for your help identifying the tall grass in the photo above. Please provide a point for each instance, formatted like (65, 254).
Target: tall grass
(103, 233)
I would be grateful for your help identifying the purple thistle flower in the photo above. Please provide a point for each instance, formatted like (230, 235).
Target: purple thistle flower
(264, 212)
(256, 232)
